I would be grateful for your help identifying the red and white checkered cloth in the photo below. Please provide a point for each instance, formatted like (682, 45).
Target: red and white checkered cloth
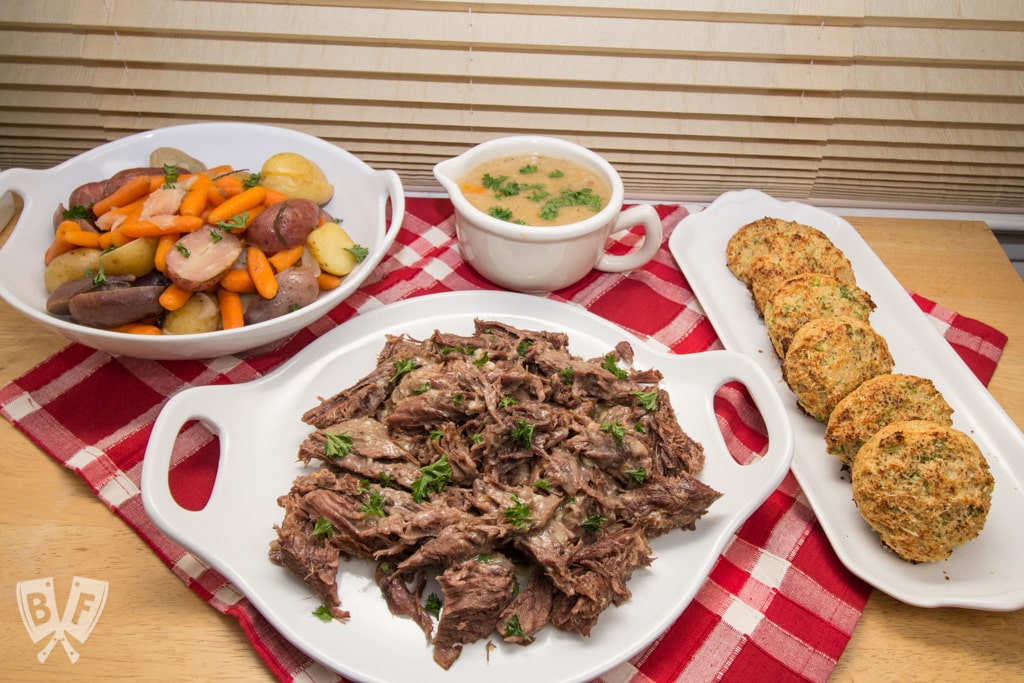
(777, 606)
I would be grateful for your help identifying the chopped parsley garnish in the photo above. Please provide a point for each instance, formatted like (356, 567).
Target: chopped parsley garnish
(514, 628)
(375, 505)
(323, 613)
(339, 444)
(614, 428)
(523, 347)
(593, 523)
(433, 605)
(385, 479)
(583, 197)
(518, 514)
(568, 375)
(76, 211)
(252, 180)
(648, 400)
(322, 528)
(100, 277)
(236, 222)
(501, 213)
(522, 433)
(422, 389)
(609, 365)
(507, 401)
(483, 360)
(433, 478)
(182, 249)
(403, 366)
(528, 169)
(556, 174)
(170, 175)
(543, 484)
(436, 434)
(639, 474)
(358, 251)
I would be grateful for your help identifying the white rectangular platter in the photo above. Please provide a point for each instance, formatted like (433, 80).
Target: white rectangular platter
(259, 428)
(983, 574)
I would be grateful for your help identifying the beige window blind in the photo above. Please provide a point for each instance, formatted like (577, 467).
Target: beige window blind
(900, 103)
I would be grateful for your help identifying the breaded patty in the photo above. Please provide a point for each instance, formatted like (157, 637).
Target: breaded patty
(806, 297)
(830, 357)
(924, 487)
(805, 252)
(878, 402)
(754, 240)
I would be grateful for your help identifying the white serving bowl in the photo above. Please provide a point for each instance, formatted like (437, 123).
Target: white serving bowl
(361, 198)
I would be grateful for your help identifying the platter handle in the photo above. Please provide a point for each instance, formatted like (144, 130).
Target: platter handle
(211, 406)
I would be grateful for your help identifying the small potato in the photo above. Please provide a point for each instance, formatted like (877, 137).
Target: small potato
(283, 225)
(134, 258)
(296, 287)
(296, 177)
(201, 313)
(329, 245)
(171, 156)
(71, 265)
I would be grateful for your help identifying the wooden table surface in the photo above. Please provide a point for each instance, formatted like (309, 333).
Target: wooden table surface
(153, 627)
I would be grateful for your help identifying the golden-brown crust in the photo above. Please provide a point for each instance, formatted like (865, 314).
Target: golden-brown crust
(925, 488)
(805, 253)
(830, 357)
(878, 402)
(809, 296)
(753, 240)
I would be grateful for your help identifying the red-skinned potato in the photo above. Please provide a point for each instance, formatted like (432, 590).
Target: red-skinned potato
(283, 225)
(201, 258)
(296, 287)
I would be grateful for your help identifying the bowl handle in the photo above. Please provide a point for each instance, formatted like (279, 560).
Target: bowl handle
(393, 186)
(16, 181)
(647, 216)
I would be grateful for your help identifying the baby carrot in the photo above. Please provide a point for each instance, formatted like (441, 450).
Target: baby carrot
(163, 247)
(326, 281)
(235, 205)
(174, 297)
(230, 309)
(217, 171)
(133, 189)
(273, 197)
(286, 259)
(194, 202)
(137, 328)
(214, 197)
(237, 280)
(161, 225)
(229, 185)
(72, 233)
(261, 272)
(56, 248)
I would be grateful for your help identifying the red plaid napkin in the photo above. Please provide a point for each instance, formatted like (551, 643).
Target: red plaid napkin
(777, 606)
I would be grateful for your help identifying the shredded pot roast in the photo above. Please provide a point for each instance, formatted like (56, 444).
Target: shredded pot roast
(526, 481)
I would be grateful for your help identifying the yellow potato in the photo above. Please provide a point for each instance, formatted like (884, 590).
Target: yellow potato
(329, 245)
(134, 258)
(297, 177)
(71, 265)
(201, 313)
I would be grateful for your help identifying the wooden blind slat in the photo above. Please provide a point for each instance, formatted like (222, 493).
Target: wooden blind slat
(904, 102)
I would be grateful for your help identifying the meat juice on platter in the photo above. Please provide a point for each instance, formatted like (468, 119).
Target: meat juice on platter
(519, 480)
